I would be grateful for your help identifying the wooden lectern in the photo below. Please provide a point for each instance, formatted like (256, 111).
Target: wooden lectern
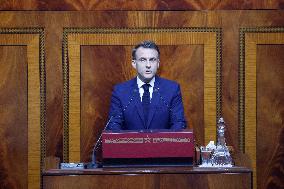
(132, 160)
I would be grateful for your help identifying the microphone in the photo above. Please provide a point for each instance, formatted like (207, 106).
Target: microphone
(98, 143)
(161, 97)
(99, 140)
(166, 103)
(131, 99)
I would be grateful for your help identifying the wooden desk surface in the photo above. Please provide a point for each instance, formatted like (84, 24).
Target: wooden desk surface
(147, 170)
(149, 178)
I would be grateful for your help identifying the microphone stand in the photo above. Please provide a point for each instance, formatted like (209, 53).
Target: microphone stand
(99, 141)
(98, 144)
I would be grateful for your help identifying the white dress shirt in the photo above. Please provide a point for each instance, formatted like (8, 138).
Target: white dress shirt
(141, 90)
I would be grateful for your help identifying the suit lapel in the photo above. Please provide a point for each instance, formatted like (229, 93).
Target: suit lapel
(137, 100)
(154, 101)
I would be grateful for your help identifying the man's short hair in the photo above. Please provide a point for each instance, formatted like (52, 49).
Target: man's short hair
(145, 44)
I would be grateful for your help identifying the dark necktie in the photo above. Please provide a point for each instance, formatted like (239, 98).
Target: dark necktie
(146, 101)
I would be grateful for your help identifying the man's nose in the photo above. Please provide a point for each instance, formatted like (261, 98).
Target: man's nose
(148, 64)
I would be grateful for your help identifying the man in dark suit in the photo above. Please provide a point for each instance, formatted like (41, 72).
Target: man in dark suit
(147, 101)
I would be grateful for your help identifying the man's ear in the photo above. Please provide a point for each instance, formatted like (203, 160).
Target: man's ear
(158, 63)
(133, 63)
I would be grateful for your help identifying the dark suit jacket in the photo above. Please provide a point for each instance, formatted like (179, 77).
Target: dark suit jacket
(166, 108)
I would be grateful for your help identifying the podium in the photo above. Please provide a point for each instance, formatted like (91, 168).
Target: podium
(152, 177)
(147, 148)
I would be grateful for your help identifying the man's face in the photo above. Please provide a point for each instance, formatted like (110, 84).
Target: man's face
(146, 63)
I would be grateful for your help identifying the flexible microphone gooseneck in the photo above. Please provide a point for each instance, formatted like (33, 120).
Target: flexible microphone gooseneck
(97, 144)
(164, 101)
(162, 98)
(99, 140)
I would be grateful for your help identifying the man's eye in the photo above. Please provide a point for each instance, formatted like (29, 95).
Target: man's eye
(142, 60)
(153, 60)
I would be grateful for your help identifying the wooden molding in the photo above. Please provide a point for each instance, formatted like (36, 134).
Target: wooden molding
(74, 38)
(33, 39)
(249, 39)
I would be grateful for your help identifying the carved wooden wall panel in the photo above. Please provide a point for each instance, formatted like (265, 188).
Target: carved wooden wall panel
(76, 38)
(270, 108)
(13, 113)
(261, 86)
(22, 107)
(99, 71)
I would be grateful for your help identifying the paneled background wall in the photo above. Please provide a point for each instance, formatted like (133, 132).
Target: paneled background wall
(254, 119)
